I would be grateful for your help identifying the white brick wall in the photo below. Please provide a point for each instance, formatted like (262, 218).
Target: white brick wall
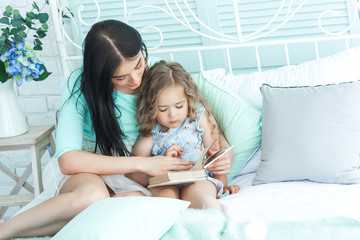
(39, 100)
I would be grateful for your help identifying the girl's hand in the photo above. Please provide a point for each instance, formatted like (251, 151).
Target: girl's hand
(174, 151)
(222, 165)
(162, 164)
(231, 189)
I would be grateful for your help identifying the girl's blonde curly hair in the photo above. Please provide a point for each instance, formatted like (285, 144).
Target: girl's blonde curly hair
(160, 76)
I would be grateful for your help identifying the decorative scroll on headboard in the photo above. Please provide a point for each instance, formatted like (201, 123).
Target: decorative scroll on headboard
(241, 36)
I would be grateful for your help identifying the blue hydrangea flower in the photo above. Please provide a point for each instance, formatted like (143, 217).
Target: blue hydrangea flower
(22, 62)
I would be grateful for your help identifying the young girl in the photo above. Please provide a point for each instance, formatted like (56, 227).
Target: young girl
(175, 121)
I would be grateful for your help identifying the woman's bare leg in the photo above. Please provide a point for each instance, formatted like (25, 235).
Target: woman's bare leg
(47, 218)
(201, 194)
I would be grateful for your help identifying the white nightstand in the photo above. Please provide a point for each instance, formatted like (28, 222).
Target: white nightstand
(39, 140)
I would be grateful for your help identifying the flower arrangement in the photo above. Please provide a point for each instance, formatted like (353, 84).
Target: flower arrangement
(18, 59)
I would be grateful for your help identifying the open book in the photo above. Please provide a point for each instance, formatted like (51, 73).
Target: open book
(196, 173)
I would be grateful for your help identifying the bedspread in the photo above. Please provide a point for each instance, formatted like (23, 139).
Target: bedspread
(211, 225)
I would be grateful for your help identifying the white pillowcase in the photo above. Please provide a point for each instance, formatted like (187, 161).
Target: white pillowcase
(338, 68)
(311, 133)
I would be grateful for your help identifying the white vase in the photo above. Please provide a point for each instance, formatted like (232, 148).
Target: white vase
(12, 119)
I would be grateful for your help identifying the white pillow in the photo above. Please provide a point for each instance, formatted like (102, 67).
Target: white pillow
(341, 67)
(311, 133)
(124, 218)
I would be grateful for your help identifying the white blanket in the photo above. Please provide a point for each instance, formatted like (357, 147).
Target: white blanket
(283, 201)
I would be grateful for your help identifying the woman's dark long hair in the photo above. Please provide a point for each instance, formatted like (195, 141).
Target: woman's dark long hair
(105, 46)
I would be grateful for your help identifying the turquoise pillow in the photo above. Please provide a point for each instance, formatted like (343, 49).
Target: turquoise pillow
(124, 218)
(239, 120)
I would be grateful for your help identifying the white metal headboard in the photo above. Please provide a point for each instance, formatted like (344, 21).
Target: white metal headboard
(225, 42)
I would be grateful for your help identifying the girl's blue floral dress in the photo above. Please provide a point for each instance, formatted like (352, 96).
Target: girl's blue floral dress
(189, 137)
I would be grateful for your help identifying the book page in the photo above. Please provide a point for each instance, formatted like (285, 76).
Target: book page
(216, 156)
(199, 164)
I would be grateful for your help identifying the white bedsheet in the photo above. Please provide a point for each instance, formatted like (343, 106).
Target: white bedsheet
(291, 200)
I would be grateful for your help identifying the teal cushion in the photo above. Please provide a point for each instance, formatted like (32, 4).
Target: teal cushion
(239, 120)
(124, 218)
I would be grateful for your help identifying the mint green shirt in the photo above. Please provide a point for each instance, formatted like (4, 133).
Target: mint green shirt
(74, 130)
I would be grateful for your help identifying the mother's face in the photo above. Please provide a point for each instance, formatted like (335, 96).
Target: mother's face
(127, 77)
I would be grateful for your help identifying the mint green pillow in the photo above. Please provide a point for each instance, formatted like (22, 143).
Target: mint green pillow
(124, 218)
(239, 120)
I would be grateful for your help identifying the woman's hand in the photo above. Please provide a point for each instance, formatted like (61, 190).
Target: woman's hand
(222, 165)
(174, 151)
(162, 164)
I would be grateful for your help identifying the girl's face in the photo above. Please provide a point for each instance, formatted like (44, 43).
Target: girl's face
(172, 107)
(127, 77)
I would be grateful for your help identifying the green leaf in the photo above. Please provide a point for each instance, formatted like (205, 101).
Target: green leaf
(14, 31)
(22, 34)
(43, 17)
(6, 31)
(28, 24)
(37, 44)
(22, 28)
(3, 75)
(35, 6)
(17, 22)
(41, 33)
(45, 26)
(69, 10)
(6, 14)
(17, 38)
(7, 44)
(3, 50)
(4, 20)
(30, 15)
(44, 75)
(38, 47)
(16, 14)
(8, 9)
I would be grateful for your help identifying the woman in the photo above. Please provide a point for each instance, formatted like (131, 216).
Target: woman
(95, 133)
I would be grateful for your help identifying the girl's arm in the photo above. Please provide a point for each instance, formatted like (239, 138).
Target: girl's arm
(221, 166)
(143, 146)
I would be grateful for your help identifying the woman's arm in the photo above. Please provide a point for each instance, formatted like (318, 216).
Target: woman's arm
(75, 161)
(143, 147)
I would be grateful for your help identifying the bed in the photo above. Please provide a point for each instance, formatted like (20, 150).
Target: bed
(288, 102)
